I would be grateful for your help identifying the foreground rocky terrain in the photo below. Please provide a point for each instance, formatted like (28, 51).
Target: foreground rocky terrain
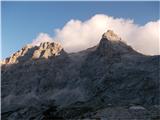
(110, 81)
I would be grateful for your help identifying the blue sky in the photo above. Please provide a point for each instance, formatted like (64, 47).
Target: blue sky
(23, 21)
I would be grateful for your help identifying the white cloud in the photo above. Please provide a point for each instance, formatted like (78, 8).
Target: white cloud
(42, 37)
(146, 39)
(77, 35)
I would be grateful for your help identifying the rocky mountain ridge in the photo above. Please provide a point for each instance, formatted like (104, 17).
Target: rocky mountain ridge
(95, 83)
(29, 52)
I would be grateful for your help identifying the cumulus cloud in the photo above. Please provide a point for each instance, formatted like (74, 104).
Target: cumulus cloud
(77, 35)
(146, 38)
(42, 37)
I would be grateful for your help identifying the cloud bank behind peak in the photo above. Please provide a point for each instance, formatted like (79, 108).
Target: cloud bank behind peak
(42, 37)
(77, 35)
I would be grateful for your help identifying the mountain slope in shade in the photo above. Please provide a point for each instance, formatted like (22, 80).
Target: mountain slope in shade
(44, 82)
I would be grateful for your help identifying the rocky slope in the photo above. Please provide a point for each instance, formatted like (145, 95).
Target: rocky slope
(29, 52)
(108, 81)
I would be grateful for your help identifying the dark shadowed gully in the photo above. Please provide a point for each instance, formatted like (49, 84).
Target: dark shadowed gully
(110, 81)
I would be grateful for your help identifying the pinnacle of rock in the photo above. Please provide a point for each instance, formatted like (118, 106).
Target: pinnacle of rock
(111, 44)
(110, 35)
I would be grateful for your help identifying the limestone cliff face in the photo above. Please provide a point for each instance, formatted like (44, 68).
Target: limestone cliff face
(44, 82)
(46, 50)
(29, 52)
(13, 58)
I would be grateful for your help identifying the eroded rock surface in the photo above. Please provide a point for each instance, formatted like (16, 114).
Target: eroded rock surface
(29, 52)
(108, 81)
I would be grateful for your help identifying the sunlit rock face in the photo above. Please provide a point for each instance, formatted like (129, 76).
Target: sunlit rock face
(29, 52)
(110, 35)
(110, 80)
(14, 57)
(46, 50)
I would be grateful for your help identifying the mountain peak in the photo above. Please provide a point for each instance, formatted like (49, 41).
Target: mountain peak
(29, 52)
(111, 45)
(110, 35)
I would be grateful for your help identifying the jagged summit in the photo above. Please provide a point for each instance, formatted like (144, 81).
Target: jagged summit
(46, 45)
(111, 44)
(47, 49)
(110, 35)
(29, 52)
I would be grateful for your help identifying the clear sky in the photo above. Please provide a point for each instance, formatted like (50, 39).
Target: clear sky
(23, 21)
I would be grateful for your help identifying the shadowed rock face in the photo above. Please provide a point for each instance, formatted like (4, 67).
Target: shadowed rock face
(111, 45)
(45, 82)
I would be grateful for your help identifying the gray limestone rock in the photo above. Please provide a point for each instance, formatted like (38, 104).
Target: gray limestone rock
(107, 81)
